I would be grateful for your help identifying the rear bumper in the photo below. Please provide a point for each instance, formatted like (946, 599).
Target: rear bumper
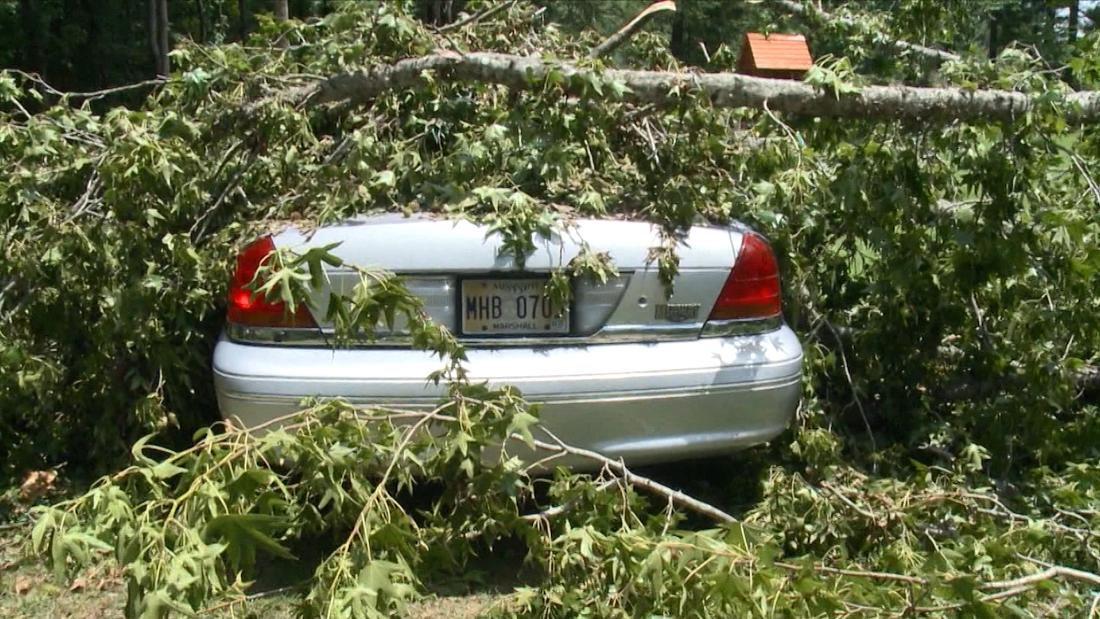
(640, 402)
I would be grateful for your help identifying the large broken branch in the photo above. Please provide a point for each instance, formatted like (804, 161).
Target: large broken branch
(664, 88)
(673, 496)
(800, 9)
(632, 26)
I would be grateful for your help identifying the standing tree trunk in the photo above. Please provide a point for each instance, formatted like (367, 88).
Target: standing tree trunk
(242, 19)
(32, 59)
(1074, 19)
(164, 66)
(678, 39)
(203, 27)
(154, 40)
(93, 55)
(282, 13)
(994, 35)
(439, 12)
(158, 36)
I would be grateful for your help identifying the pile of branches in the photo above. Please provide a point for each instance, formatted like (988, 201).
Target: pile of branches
(190, 526)
(940, 252)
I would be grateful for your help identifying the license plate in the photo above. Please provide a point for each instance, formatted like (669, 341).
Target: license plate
(510, 307)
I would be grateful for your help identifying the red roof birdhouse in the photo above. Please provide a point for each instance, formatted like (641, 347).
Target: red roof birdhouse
(778, 56)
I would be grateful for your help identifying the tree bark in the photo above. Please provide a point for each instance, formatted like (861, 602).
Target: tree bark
(154, 39)
(242, 19)
(663, 88)
(1074, 20)
(995, 18)
(282, 14)
(164, 66)
(677, 39)
(203, 27)
(800, 9)
(158, 36)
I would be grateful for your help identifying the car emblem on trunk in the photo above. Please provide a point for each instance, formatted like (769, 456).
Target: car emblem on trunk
(677, 312)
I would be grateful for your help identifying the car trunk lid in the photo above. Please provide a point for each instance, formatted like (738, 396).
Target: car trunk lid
(460, 270)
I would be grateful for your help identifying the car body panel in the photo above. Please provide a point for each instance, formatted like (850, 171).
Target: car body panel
(642, 402)
(640, 375)
(434, 254)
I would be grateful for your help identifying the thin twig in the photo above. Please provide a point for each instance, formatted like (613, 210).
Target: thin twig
(380, 486)
(869, 574)
(253, 597)
(557, 510)
(90, 95)
(852, 505)
(992, 597)
(91, 188)
(1051, 573)
(202, 224)
(1094, 188)
(852, 385)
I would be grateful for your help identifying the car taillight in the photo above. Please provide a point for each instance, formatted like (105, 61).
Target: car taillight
(752, 288)
(251, 309)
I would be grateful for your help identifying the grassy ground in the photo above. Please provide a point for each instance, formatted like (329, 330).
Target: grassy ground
(28, 590)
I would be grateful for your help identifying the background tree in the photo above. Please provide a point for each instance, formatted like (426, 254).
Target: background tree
(603, 16)
(1029, 22)
(440, 12)
(1074, 21)
(159, 36)
(93, 45)
(31, 22)
(242, 19)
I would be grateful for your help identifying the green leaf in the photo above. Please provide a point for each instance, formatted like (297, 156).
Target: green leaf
(166, 470)
(244, 534)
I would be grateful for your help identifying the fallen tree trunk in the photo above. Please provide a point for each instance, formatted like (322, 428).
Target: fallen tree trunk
(800, 9)
(665, 88)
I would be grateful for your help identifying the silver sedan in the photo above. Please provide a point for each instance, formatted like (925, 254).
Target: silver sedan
(624, 370)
